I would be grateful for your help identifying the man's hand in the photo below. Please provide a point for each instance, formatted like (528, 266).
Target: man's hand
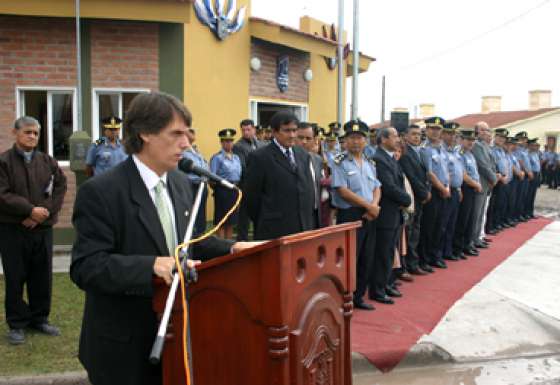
(39, 214)
(530, 174)
(240, 246)
(478, 188)
(446, 193)
(428, 198)
(29, 223)
(163, 267)
(373, 212)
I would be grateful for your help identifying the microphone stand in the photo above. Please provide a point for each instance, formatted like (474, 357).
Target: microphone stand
(157, 347)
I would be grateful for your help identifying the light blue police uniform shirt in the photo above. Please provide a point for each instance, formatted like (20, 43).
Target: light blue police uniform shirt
(104, 156)
(499, 157)
(523, 155)
(469, 163)
(370, 150)
(535, 161)
(361, 180)
(514, 161)
(456, 168)
(198, 160)
(435, 159)
(226, 167)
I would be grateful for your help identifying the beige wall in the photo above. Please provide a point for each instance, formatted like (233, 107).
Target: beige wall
(540, 127)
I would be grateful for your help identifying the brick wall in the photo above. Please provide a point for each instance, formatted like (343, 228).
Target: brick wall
(124, 55)
(263, 82)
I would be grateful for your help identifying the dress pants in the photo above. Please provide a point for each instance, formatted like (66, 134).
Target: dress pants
(479, 206)
(465, 221)
(522, 196)
(448, 229)
(412, 259)
(532, 194)
(383, 260)
(27, 260)
(506, 193)
(365, 247)
(497, 203)
(242, 223)
(430, 229)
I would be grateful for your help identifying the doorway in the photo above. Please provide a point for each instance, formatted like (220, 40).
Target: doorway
(262, 112)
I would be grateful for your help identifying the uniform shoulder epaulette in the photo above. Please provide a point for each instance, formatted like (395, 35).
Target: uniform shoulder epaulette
(339, 157)
(462, 151)
(100, 141)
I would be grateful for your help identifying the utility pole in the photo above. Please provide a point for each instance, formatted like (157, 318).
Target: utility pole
(356, 60)
(79, 66)
(341, 64)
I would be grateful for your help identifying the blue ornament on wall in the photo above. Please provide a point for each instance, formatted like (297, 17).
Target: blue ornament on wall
(223, 22)
(282, 73)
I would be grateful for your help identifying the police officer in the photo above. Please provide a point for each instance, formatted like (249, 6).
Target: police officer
(456, 171)
(437, 164)
(470, 187)
(356, 194)
(107, 151)
(535, 162)
(515, 184)
(226, 165)
(193, 154)
(522, 154)
(500, 192)
(331, 147)
(371, 147)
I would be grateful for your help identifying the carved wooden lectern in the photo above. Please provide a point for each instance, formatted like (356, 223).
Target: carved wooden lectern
(277, 314)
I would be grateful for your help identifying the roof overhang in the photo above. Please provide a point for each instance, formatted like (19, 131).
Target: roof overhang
(290, 37)
(171, 11)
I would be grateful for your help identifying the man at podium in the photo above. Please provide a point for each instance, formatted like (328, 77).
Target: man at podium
(128, 222)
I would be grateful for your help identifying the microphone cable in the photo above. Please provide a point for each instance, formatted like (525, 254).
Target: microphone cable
(179, 268)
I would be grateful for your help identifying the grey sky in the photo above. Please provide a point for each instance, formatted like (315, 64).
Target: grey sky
(509, 62)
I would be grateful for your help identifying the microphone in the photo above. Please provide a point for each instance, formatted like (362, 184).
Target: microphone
(187, 165)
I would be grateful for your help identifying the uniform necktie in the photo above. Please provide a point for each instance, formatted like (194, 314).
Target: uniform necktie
(165, 217)
(291, 159)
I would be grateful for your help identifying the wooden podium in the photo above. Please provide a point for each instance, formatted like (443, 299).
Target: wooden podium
(277, 314)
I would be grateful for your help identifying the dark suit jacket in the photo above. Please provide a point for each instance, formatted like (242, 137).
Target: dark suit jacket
(393, 193)
(279, 200)
(119, 236)
(317, 162)
(416, 172)
(243, 148)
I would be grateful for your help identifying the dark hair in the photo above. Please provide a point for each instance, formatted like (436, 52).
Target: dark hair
(26, 121)
(383, 132)
(282, 118)
(246, 122)
(150, 113)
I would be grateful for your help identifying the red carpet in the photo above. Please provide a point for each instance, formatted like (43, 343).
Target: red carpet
(385, 335)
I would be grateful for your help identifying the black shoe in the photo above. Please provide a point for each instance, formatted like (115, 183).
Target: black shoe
(363, 305)
(386, 300)
(417, 271)
(439, 264)
(397, 283)
(47, 329)
(481, 245)
(427, 268)
(463, 256)
(472, 252)
(16, 337)
(506, 225)
(391, 292)
(451, 258)
(499, 227)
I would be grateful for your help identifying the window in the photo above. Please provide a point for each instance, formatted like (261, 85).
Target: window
(261, 112)
(55, 109)
(111, 102)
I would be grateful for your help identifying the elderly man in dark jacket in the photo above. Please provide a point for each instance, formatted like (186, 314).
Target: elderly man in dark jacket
(32, 189)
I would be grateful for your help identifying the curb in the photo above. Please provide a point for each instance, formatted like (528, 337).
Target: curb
(69, 378)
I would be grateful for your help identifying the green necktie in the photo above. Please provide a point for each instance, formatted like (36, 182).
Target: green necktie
(165, 217)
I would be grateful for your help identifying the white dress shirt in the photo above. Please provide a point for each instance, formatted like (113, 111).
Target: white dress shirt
(151, 179)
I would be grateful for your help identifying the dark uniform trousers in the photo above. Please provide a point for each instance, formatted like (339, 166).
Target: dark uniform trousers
(532, 194)
(26, 259)
(448, 229)
(496, 207)
(514, 187)
(431, 228)
(522, 197)
(200, 222)
(465, 221)
(383, 260)
(365, 247)
(412, 258)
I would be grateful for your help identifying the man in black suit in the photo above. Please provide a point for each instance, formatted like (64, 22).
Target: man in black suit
(393, 198)
(128, 222)
(417, 174)
(307, 139)
(242, 148)
(278, 186)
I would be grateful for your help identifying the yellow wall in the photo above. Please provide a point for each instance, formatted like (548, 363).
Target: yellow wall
(323, 92)
(147, 10)
(540, 127)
